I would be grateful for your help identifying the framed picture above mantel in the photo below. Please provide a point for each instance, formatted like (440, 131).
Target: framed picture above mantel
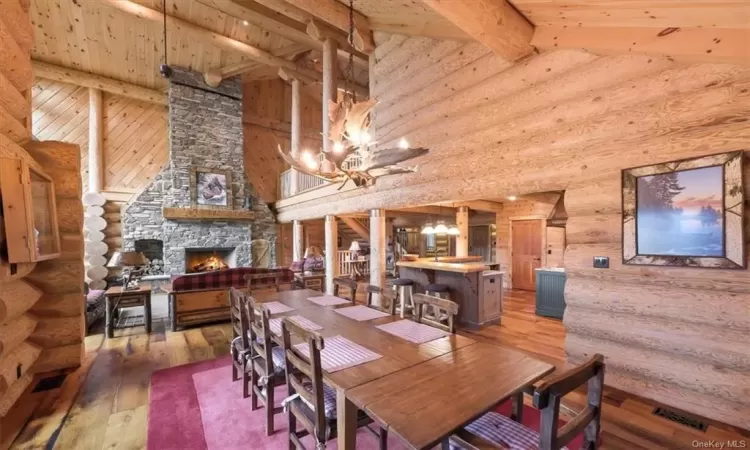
(686, 213)
(210, 188)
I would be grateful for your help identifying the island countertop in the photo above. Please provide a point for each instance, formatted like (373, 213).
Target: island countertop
(428, 264)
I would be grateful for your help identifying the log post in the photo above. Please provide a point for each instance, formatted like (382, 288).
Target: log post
(96, 166)
(332, 251)
(377, 250)
(330, 79)
(295, 138)
(462, 222)
(298, 240)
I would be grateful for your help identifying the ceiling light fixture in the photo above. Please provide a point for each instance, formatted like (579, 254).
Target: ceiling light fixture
(512, 198)
(245, 22)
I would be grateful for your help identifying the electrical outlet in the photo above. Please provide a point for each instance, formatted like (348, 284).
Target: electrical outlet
(601, 262)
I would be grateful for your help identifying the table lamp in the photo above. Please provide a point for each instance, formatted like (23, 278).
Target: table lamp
(354, 250)
(129, 262)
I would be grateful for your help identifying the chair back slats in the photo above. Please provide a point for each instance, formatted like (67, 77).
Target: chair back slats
(240, 326)
(444, 307)
(547, 397)
(387, 299)
(260, 330)
(346, 282)
(311, 367)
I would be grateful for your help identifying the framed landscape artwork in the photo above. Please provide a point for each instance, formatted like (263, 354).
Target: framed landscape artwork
(210, 188)
(685, 213)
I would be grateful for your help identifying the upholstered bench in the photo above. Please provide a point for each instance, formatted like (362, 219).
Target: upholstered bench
(204, 297)
(95, 306)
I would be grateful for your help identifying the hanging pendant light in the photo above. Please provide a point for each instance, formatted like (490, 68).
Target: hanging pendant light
(427, 229)
(440, 228)
(454, 231)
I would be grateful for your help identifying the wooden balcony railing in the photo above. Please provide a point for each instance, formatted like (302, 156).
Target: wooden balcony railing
(348, 265)
(307, 182)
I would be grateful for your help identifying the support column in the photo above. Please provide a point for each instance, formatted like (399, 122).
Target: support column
(332, 251)
(296, 132)
(330, 81)
(95, 141)
(462, 240)
(298, 240)
(378, 236)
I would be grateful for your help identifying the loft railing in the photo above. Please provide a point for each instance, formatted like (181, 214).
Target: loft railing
(306, 182)
(349, 265)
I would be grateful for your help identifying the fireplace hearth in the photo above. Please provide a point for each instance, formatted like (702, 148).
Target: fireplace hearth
(209, 259)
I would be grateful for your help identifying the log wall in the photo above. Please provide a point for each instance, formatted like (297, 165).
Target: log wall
(41, 305)
(571, 121)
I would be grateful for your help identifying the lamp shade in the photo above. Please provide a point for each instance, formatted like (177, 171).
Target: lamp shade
(427, 229)
(127, 259)
(440, 228)
(354, 247)
(454, 231)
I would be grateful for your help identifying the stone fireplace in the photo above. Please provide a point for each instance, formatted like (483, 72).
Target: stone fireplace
(205, 130)
(209, 259)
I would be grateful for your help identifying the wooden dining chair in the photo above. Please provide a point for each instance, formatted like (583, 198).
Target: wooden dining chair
(445, 312)
(267, 362)
(493, 430)
(249, 278)
(240, 347)
(346, 282)
(311, 402)
(387, 299)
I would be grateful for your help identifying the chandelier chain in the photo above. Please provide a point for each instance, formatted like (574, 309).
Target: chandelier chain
(349, 78)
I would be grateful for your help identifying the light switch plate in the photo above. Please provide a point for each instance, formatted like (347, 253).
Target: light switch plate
(601, 262)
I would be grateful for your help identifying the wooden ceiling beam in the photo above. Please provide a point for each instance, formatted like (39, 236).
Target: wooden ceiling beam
(213, 38)
(213, 77)
(288, 75)
(276, 22)
(685, 44)
(72, 76)
(494, 23)
(337, 14)
(479, 205)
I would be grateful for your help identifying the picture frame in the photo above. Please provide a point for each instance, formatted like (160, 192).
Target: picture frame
(686, 213)
(211, 188)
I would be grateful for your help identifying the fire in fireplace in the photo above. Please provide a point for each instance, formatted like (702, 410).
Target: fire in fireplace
(209, 259)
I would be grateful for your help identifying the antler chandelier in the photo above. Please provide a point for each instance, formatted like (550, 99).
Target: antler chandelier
(349, 132)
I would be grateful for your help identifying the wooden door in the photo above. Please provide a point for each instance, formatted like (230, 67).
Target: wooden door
(526, 253)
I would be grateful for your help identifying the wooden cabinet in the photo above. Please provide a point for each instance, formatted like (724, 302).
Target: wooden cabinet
(29, 212)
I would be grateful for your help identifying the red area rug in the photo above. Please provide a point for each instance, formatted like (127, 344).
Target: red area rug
(197, 407)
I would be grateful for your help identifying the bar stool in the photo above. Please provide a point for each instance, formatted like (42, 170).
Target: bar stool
(437, 290)
(404, 289)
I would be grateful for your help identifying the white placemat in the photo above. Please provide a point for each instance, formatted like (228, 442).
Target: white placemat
(340, 353)
(277, 307)
(412, 331)
(361, 313)
(328, 300)
(275, 324)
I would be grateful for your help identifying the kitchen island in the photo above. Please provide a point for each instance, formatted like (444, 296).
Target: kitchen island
(477, 291)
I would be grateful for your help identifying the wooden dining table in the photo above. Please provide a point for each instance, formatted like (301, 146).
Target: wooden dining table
(419, 392)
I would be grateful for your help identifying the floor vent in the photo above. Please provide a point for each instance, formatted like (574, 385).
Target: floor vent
(50, 383)
(681, 419)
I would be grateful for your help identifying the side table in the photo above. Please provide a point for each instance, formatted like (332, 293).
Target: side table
(309, 280)
(117, 298)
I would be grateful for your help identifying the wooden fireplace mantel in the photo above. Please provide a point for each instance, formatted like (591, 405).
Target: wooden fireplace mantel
(207, 214)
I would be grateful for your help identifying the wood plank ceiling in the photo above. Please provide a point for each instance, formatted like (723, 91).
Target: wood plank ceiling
(95, 38)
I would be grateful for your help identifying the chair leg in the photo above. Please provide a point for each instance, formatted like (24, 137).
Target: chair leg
(253, 383)
(235, 372)
(269, 407)
(517, 412)
(383, 439)
(292, 429)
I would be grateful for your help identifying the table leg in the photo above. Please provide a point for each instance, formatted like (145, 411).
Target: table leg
(346, 413)
(108, 318)
(147, 313)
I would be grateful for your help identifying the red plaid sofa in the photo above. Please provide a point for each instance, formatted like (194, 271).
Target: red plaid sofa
(204, 297)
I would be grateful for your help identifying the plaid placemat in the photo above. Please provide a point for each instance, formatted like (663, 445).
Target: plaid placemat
(277, 307)
(361, 313)
(340, 353)
(275, 324)
(328, 300)
(412, 331)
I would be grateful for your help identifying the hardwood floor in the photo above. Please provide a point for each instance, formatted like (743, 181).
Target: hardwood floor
(103, 404)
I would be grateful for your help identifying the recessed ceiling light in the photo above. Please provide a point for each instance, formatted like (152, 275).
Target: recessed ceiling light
(512, 198)
(245, 22)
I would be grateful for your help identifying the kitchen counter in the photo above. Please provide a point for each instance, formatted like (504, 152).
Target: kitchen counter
(427, 263)
(477, 291)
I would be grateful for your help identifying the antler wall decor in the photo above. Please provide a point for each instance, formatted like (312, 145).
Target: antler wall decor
(350, 123)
